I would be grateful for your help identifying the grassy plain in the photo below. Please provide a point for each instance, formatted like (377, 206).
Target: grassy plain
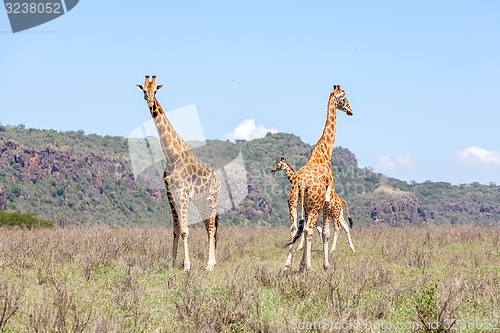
(103, 279)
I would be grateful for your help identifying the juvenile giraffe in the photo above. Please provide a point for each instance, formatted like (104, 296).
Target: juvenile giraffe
(334, 208)
(313, 184)
(186, 179)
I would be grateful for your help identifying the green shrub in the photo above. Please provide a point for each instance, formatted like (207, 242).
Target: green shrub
(23, 220)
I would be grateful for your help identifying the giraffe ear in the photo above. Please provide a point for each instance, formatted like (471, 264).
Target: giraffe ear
(159, 87)
(139, 87)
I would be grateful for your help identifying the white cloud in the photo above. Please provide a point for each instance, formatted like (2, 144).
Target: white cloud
(479, 157)
(405, 161)
(247, 130)
(388, 164)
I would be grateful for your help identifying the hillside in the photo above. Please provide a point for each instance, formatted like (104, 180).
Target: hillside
(73, 178)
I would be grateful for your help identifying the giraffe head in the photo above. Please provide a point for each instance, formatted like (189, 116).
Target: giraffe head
(149, 89)
(280, 165)
(341, 102)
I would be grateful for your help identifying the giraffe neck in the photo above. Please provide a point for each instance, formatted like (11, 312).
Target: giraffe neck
(289, 171)
(174, 147)
(322, 152)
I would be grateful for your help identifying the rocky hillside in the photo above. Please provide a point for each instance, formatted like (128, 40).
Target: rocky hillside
(73, 178)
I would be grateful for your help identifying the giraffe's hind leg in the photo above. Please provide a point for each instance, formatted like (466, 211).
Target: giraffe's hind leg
(346, 228)
(309, 230)
(184, 230)
(336, 224)
(207, 207)
(301, 244)
(320, 233)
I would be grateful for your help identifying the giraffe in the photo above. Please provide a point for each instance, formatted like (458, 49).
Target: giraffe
(186, 179)
(334, 208)
(313, 184)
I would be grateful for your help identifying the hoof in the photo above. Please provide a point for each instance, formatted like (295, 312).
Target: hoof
(210, 267)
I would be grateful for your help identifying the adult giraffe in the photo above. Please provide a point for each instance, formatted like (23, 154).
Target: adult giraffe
(186, 179)
(313, 184)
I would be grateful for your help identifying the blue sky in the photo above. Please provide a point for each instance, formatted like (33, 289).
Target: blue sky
(422, 77)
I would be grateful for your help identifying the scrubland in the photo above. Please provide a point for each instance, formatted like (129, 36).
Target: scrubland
(103, 279)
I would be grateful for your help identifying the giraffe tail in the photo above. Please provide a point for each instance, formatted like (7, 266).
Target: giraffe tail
(351, 223)
(298, 233)
(216, 227)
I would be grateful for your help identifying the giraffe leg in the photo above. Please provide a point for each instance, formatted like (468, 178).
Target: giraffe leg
(292, 207)
(211, 223)
(346, 228)
(301, 244)
(309, 230)
(325, 235)
(175, 223)
(336, 224)
(184, 231)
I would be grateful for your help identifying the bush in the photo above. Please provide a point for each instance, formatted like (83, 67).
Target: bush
(23, 220)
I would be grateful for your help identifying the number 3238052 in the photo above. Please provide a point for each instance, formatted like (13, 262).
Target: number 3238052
(33, 8)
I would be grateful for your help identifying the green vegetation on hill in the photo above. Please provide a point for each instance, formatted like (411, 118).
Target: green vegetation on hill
(73, 178)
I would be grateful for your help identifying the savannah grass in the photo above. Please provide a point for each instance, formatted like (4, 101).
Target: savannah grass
(103, 279)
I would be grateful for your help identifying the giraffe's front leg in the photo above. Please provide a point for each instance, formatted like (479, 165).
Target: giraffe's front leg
(175, 222)
(326, 235)
(184, 231)
(292, 207)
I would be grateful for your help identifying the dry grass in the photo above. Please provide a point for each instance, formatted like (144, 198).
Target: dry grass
(118, 280)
